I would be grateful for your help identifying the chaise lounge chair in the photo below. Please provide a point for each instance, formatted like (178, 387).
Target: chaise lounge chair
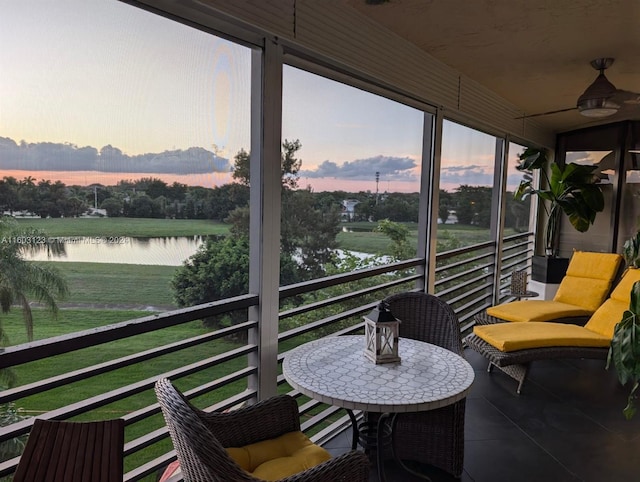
(513, 346)
(583, 289)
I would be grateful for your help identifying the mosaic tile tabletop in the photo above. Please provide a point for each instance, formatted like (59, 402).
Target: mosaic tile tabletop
(335, 370)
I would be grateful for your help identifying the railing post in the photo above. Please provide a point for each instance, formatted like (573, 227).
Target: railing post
(498, 204)
(265, 208)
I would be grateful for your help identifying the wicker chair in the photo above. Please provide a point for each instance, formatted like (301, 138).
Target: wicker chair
(435, 437)
(200, 439)
(59, 450)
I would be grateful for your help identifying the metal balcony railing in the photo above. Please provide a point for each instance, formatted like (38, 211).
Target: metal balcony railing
(220, 378)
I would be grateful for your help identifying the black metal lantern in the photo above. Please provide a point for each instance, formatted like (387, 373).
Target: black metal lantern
(381, 331)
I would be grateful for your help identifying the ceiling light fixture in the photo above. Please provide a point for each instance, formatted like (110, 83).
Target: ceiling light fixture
(595, 102)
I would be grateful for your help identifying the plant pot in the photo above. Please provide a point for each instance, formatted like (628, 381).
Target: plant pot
(547, 269)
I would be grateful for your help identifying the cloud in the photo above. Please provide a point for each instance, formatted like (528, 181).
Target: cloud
(390, 169)
(475, 175)
(48, 156)
(584, 157)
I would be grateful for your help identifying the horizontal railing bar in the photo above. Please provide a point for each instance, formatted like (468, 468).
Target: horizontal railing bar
(326, 321)
(103, 399)
(468, 292)
(512, 237)
(510, 256)
(308, 406)
(145, 412)
(37, 350)
(350, 330)
(462, 274)
(464, 319)
(470, 304)
(146, 440)
(320, 418)
(8, 467)
(515, 249)
(509, 263)
(84, 373)
(478, 269)
(151, 467)
(327, 433)
(459, 264)
(327, 281)
(467, 249)
(355, 294)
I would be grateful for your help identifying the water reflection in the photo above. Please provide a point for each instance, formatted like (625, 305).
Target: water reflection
(163, 251)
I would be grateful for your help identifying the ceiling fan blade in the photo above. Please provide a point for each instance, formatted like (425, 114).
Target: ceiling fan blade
(528, 116)
(626, 97)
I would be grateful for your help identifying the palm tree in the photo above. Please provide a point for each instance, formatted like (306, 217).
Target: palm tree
(19, 280)
(22, 280)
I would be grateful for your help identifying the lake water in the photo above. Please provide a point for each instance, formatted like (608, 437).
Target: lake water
(165, 251)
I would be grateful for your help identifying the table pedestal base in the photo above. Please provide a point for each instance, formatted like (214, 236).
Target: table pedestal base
(375, 435)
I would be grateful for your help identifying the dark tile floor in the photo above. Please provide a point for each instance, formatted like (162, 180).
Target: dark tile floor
(566, 425)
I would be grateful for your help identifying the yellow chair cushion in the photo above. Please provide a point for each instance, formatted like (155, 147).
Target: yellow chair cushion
(586, 264)
(537, 334)
(622, 291)
(587, 293)
(610, 313)
(279, 457)
(588, 279)
(604, 320)
(536, 310)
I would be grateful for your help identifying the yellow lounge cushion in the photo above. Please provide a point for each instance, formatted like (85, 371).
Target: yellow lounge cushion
(622, 291)
(537, 334)
(587, 264)
(610, 313)
(605, 319)
(588, 279)
(587, 293)
(280, 457)
(538, 310)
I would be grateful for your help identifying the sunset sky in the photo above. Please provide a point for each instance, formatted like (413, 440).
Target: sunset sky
(79, 75)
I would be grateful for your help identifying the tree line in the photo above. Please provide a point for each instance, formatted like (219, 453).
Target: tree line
(150, 197)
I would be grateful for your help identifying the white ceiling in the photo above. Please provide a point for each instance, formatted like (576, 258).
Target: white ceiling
(533, 53)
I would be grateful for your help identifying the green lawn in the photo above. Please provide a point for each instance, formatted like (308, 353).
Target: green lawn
(117, 285)
(365, 239)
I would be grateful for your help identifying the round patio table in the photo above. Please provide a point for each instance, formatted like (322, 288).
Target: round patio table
(334, 370)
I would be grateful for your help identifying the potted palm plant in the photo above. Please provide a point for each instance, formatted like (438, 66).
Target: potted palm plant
(571, 189)
(624, 351)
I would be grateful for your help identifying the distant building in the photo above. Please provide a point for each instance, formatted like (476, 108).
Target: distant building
(349, 209)
(93, 212)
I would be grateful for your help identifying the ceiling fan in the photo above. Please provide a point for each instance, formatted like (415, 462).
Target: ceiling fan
(601, 99)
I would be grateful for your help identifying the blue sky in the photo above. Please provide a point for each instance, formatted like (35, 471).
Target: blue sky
(95, 73)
